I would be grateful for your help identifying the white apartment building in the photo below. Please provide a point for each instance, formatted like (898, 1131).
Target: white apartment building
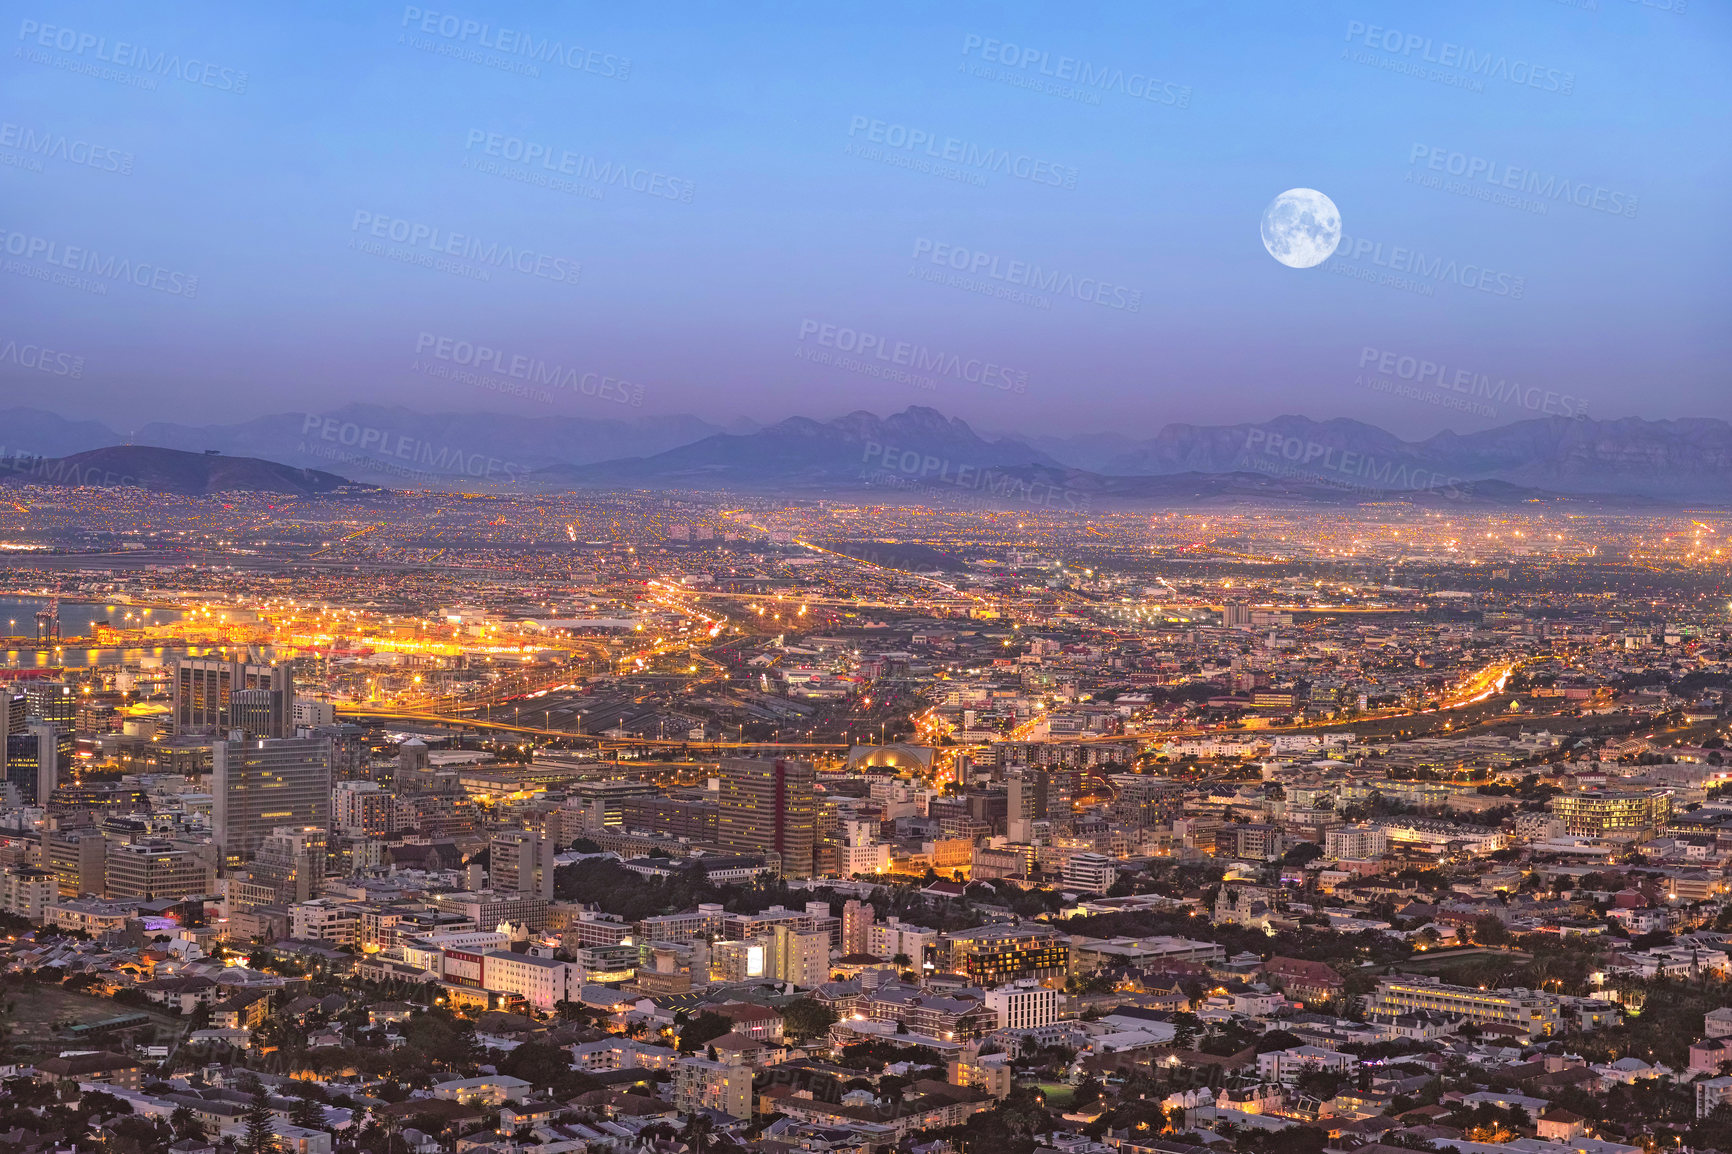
(1023, 1004)
(325, 920)
(1285, 1066)
(802, 958)
(543, 982)
(864, 859)
(893, 936)
(1090, 873)
(1356, 843)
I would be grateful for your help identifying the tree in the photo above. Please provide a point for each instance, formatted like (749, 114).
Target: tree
(807, 1019)
(702, 1030)
(186, 1124)
(697, 1131)
(1490, 931)
(308, 1114)
(1087, 1091)
(260, 1137)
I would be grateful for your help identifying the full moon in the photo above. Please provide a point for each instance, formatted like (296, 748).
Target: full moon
(1301, 228)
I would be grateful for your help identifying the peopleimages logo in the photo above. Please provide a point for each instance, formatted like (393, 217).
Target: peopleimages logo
(919, 358)
(1498, 176)
(42, 359)
(440, 242)
(532, 372)
(1412, 48)
(461, 31)
(1305, 458)
(971, 159)
(395, 446)
(58, 146)
(1418, 371)
(578, 165)
(902, 468)
(975, 263)
(91, 47)
(91, 263)
(1414, 263)
(1070, 70)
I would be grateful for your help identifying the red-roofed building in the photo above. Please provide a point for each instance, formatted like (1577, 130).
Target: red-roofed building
(1302, 980)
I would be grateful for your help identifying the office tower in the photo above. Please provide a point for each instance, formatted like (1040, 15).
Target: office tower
(78, 860)
(768, 807)
(287, 867)
(204, 690)
(156, 868)
(261, 785)
(36, 758)
(1235, 616)
(250, 712)
(51, 701)
(361, 809)
(12, 712)
(520, 862)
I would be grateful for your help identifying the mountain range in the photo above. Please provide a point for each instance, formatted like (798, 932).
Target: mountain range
(920, 453)
(174, 471)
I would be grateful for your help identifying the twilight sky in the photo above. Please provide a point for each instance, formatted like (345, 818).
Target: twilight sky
(1042, 218)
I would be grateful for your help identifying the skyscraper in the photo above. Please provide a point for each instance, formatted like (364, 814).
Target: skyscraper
(36, 758)
(204, 698)
(259, 785)
(769, 807)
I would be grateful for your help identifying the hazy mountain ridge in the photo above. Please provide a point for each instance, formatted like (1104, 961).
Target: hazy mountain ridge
(175, 471)
(394, 435)
(1686, 460)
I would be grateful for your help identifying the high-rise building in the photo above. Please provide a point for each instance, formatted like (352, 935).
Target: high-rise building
(769, 807)
(520, 862)
(1023, 1004)
(801, 957)
(77, 858)
(857, 918)
(52, 701)
(261, 785)
(12, 712)
(287, 867)
(362, 809)
(204, 698)
(35, 759)
(152, 869)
